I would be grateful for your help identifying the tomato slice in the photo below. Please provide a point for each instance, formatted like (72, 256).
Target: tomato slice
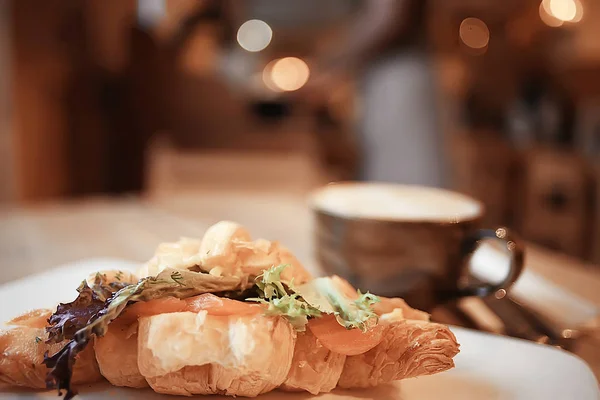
(340, 340)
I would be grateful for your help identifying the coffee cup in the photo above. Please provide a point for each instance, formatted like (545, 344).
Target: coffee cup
(408, 241)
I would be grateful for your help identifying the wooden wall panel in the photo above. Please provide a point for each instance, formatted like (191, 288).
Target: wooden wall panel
(7, 167)
(40, 70)
(64, 53)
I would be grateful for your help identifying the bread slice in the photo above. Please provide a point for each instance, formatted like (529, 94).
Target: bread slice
(117, 355)
(409, 348)
(195, 353)
(315, 369)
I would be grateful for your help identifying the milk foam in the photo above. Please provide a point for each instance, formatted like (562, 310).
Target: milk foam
(395, 202)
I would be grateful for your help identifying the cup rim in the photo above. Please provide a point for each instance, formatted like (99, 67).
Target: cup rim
(314, 206)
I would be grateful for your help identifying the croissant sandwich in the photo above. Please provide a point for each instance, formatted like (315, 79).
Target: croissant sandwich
(222, 315)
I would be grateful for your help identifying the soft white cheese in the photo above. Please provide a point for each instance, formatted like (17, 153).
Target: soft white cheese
(186, 338)
(241, 342)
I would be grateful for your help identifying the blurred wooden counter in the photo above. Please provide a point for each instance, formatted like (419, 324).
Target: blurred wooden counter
(39, 237)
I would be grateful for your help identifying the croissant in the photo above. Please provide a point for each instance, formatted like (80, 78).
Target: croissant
(223, 315)
(117, 356)
(409, 348)
(314, 368)
(293, 362)
(23, 347)
(188, 353)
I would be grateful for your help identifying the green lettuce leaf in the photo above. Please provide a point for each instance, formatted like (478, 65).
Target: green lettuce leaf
(329, 296)
(321, 295)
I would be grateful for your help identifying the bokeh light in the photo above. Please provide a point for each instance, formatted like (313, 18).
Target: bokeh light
(254, 35)
(563, 10)
(579, 13)
(549, 19)
(474, 33)
(286, 74)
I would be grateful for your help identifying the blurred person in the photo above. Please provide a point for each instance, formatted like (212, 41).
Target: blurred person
(398, 125)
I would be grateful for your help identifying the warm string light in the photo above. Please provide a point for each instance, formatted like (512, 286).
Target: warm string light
(254, 35)
(286, 74)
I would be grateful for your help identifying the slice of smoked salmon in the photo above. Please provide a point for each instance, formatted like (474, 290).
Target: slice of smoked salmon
(340, 340)
(221, 306)
(163, 305)
(212, 304)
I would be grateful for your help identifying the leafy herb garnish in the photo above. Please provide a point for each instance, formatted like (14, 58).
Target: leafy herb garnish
(91, 313)
(281, 298)
(177, 278)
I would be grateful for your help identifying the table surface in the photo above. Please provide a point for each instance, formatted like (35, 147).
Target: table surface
(36, 238)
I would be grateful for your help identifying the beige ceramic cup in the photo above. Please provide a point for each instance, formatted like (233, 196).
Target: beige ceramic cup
(409, 241)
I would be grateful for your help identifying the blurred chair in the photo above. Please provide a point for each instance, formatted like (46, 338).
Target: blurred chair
(558, 201)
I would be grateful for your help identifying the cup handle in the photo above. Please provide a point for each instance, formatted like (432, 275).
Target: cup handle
(516, 250)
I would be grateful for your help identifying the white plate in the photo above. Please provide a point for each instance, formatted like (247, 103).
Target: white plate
(488, 367)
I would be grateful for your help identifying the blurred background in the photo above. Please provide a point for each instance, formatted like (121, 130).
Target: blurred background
(496, 99)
